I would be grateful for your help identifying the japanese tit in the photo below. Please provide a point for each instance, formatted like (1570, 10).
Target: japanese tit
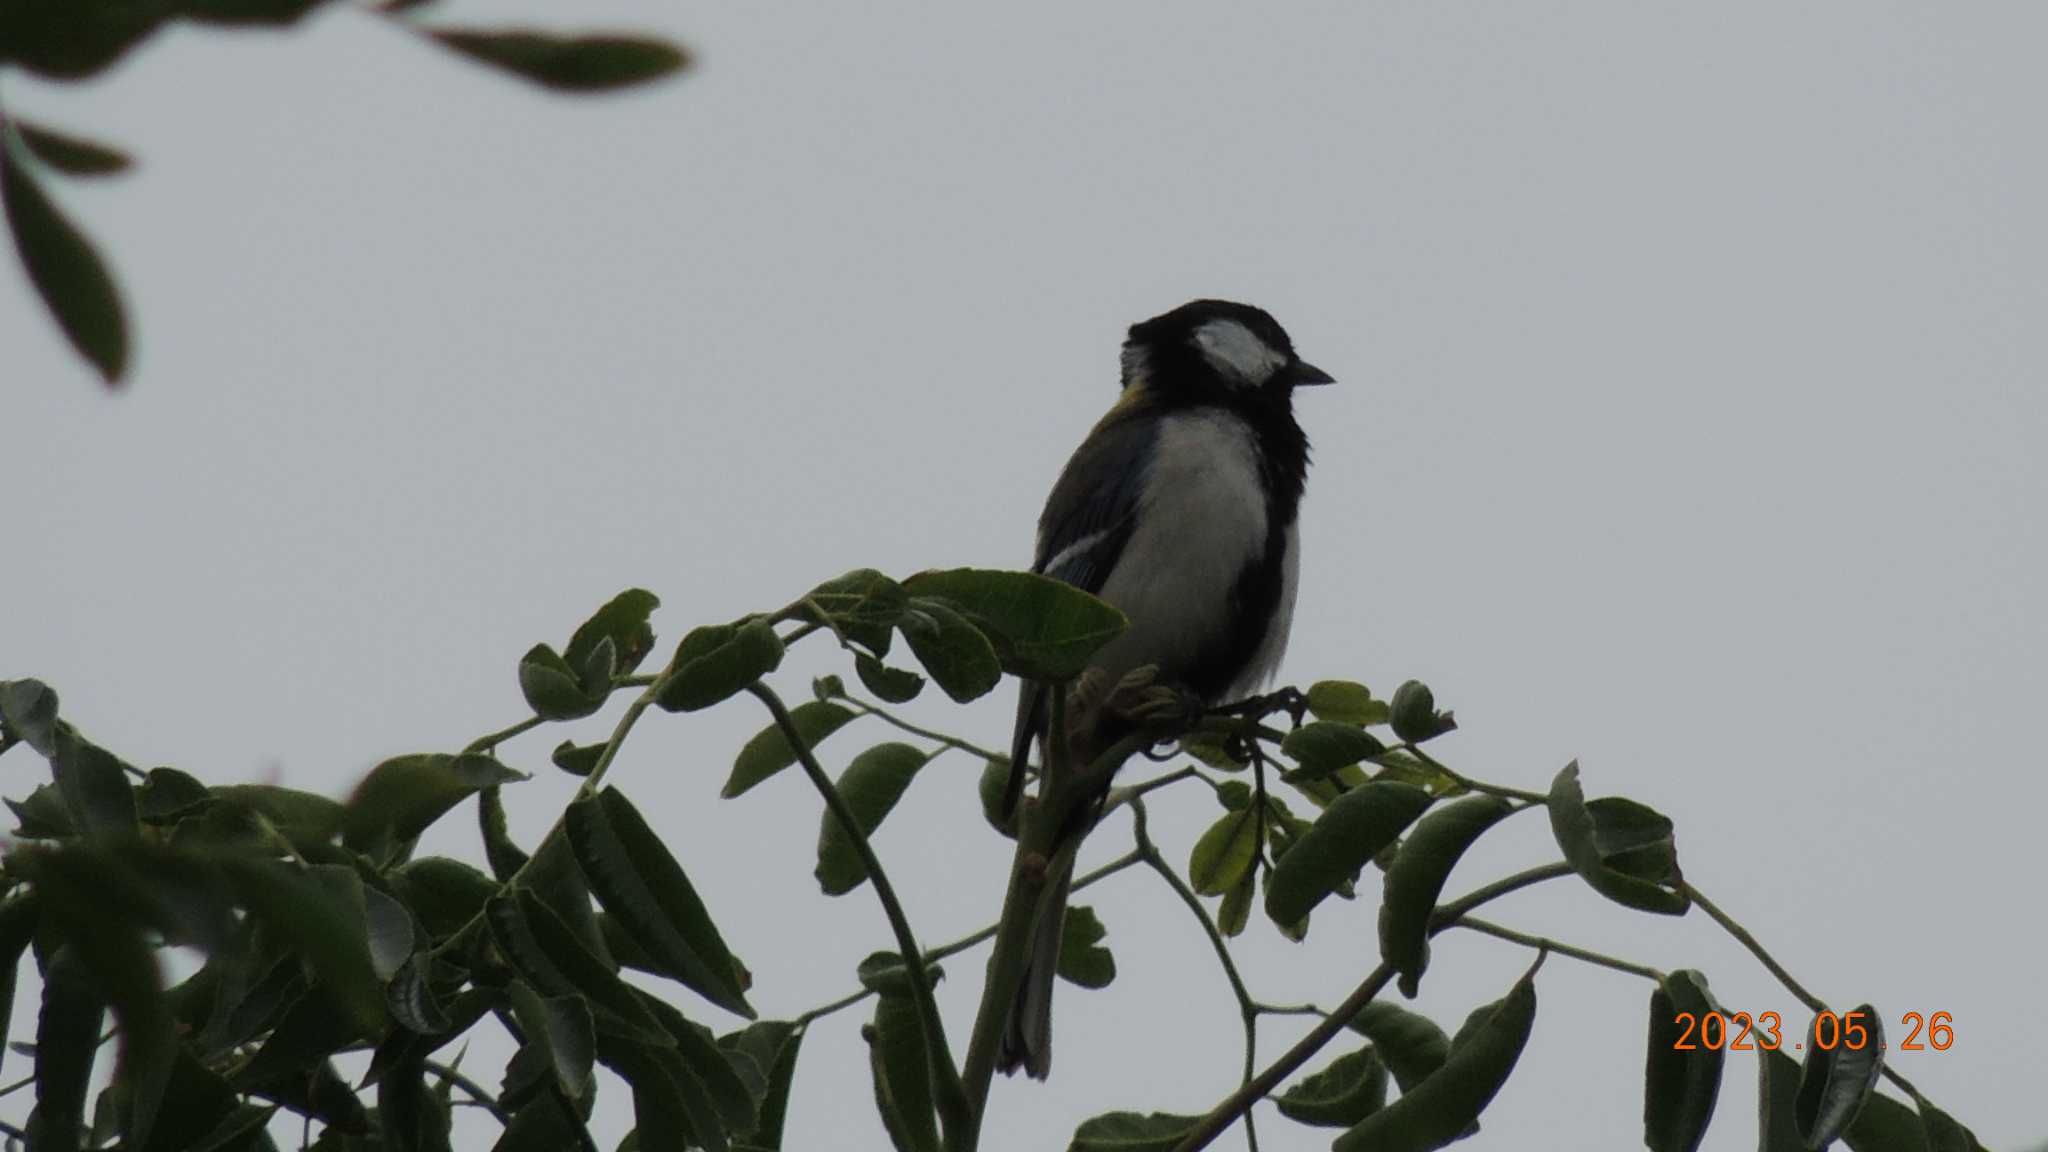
(1178, 509)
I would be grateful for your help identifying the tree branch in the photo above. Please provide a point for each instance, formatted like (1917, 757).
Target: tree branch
(953, 1105)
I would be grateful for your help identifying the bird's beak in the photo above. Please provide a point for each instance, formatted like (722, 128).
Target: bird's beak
(1304, 372)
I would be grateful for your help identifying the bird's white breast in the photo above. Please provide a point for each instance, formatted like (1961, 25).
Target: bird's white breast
(1201, 519)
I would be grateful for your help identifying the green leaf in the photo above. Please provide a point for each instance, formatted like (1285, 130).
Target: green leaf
(624, 621)
(1610, 846)
(1236, 909)
(1224, 855)
(1777, 1102)
(541, 946)
(731, 1099)
(62, 264)
(1353, 1087)
(955, 652)
(1886, 1125)
(71, 155)
(862, 606)
(322, 913)
(1354, 829)
(94, 784)
(902, 1075)
(1132, 1132)
(885, 974)
(893, 685)
(67, 1036)
(1416, 880)
(1679, 1084)
(1345, 703)
(716, 662)
(505, 857)
(28, 712)
(671, 1112)
(1044, 629)
(543, 1123)
(167, 794)
(1835, 1081)
(1083, 958)
(652, 899)
(1944, 1134)
(992, 789)
(575, 759)
(1323, 746)
(304, 818)
(1443, 1107)
(568, 63)
(1413, 713)
(402, 796)
(19, 916)
(563, 1030)
(770, 752)
(390, 934)
(251, 13)
(552, 686)
(1411, 1045)
(42, 815)
(871, 786)
(772, 1045)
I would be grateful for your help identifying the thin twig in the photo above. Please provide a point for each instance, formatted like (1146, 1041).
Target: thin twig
(952, 1100)
(1545, 944)
(1756, 949)
(888, 717)
(476, 1092)
(491, 741)
(1247, 1008)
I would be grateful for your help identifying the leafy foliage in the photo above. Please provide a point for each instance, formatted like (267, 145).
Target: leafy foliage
(322, 933)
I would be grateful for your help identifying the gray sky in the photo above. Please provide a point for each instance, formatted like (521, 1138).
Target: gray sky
(1689, 425)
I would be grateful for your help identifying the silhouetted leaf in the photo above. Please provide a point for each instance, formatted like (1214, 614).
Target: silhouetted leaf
(1416, 879)
(1345, 703)
(67, 1036)
(650, 897)
(902, 1075)
(1886, 1125)
(404, 795)
(862, 606)
(1352, 830)
(71, 155)
(60, 261)
(893, 685)
(1444, 1106)
(543, 949)
(1411, 1045)
(958, 655)
(772, 1046)
(552, 687)
(576, 759)
(322, 913)
(1413, 713)
(1351, 1088)
(715, 662)
(1224, 854)
(1321, 747)
(770, 752)
(1777, 1102)
(624, 621)
(1132, 1132)
(28, 712)
(561, 1028)
(1083, 958)
(1835, 1081)
(1680, 1084)
(568, 63)
(1623, 849)
(871, 786)
(1043, 629)
(258, 13)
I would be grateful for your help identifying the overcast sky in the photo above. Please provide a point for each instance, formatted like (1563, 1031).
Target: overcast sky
(1690, 422)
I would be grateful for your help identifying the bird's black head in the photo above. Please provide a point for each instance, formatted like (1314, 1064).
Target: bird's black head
(1214, 351)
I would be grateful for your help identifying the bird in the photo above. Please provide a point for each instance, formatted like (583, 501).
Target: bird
(1180, 510)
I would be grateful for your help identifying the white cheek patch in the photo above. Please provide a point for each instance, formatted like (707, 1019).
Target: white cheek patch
(1235, 351)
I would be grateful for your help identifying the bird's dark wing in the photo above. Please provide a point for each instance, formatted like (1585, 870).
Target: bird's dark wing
(1081, 534)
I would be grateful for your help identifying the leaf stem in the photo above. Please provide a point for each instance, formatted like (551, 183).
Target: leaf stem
(982, 935)
(883, 714)
(1545, 944)
(1247, 1008)
(474, 1090)
(490, 742)
(1742, 936)
(953, 1107)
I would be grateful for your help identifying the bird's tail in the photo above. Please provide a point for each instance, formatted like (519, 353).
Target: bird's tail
(1027, 1035)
